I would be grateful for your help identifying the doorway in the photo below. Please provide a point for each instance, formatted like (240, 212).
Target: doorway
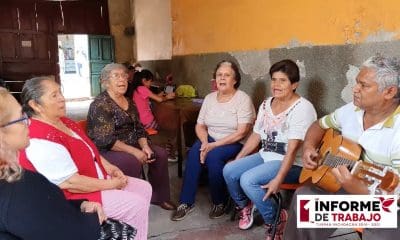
(73, 60)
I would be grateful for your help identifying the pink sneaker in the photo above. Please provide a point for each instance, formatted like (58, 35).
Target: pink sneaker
(246, 216)
(279, 228)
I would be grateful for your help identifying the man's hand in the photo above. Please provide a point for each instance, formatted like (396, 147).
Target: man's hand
(349, 183)
(310, 158)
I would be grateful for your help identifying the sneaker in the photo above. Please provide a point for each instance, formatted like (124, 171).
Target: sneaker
(172, 153)
(182, 211)
(246, 216)
(279, 228)
(217, 211)
(173, 157)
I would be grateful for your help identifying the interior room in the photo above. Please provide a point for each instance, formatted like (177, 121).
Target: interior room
(181, 42)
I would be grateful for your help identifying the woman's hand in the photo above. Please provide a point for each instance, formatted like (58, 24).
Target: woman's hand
(150, 157)
(118, 174)
(114, 171)
(94, 207)
(272, 188)
(204, 149)
(140, 155)
(118, 182)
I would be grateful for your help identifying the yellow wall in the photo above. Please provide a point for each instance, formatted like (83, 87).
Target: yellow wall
(204, 26)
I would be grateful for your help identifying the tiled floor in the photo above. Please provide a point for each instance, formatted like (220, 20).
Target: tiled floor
(197, 226)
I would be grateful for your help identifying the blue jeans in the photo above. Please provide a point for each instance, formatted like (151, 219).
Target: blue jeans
(215, 162)
(245, 176)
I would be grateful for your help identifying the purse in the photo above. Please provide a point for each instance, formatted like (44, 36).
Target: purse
(112, 229)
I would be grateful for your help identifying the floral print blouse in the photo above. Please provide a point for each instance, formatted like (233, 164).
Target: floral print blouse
(107, 122)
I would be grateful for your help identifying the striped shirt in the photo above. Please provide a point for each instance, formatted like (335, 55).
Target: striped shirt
(381, 142)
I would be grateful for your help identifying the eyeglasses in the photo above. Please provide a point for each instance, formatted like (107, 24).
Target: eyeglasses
(119, 75)
(24, 119)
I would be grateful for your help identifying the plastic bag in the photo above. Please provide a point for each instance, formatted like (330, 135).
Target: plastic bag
(185, 91)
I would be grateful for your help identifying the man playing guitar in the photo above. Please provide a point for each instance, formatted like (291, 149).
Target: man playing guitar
(373, 121)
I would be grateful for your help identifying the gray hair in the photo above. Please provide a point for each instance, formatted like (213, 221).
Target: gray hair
(33, 90)
(387, 70)
(10, 171)
(106, 71)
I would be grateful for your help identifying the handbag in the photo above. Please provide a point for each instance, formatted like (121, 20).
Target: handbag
(112, 229)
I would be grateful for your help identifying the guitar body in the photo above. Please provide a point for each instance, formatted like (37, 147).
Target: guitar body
(334, 144)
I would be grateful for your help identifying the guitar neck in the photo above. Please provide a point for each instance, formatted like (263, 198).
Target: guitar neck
(373, 175)
(335, 161)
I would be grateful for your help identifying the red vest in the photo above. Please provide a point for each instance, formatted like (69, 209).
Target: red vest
(78, 150)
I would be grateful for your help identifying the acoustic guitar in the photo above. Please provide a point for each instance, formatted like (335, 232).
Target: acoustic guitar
(335, 150)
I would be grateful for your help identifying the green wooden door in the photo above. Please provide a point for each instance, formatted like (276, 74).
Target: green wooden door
(101, 53)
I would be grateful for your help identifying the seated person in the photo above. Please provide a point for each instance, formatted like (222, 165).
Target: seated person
(142, 95)
(32, 208)
(225, 119)
(373, 121)
(62, 152)
(131, 73)
(281, 124)
(132, 69)
(114, 127)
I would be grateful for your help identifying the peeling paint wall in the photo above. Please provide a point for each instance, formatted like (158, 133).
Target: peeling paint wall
(327, 72)
(209, 26)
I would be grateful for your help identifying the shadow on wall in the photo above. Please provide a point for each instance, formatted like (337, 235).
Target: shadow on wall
(259, 92)
(316, 90)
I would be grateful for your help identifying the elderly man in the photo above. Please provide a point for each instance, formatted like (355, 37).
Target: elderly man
(372, 120)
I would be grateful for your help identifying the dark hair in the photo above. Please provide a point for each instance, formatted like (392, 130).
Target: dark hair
(33, 90)
(137, 78)
(128, 66)
(288, 67)
(235, 69)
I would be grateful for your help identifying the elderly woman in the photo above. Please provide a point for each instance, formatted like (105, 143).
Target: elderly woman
(114, 126)
(225, 118)
(281, 124)
(30, 206)
(62, 152)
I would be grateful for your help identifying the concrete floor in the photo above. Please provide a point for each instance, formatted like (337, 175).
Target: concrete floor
(197, 225)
